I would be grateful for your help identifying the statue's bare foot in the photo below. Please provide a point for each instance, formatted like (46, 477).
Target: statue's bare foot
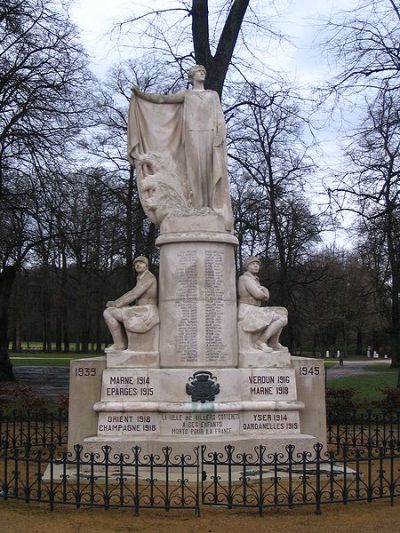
(262, 346)
(115, 348)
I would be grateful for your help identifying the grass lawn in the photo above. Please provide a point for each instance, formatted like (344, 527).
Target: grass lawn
(329, 364)
(382, 367)
(367, 387)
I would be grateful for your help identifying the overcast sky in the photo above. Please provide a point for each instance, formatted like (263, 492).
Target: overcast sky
(302, 61)
(297, 18)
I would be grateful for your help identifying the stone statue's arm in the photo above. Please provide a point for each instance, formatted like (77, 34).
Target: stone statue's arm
(140, 288)
(176, 98)
(257, 291)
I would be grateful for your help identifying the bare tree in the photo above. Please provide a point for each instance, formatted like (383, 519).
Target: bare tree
(202, 31)
(272, 164)
(365, 41)
(43, 101)
(372, 186)
(266, 140)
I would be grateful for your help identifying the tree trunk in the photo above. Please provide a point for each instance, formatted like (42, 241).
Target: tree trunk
(58, 329)
(64, 303)
(395, 329)
(359, 346)
(7, 278)
(217, 65)
(129, 229)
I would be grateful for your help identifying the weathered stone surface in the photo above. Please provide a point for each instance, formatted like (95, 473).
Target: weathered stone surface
(259, 359)
(177, 143)
(259, 328)
(132, 359)
(84, 390)
(135, 328)
(197, 297)
(272, 443)
(310, 380)
(183, 383)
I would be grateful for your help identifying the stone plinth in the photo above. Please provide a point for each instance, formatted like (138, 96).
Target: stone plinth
(131, 359)
(154, 407)
(85, 379)
(249, 406)
(197, 295)
(260, 359)
(310, 381)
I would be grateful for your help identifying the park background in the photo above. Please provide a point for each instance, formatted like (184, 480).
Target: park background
(313, 152)
(311, 98)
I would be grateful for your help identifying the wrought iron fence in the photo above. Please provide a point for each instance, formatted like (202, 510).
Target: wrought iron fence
(255, 480)
(39, 428)
(363, 429)
(362, 463)
(136, 481)
(259, 480)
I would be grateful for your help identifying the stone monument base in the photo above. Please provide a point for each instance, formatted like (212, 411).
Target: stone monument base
(186, 408)
(257, 358)
(131, 359)
(187, 445)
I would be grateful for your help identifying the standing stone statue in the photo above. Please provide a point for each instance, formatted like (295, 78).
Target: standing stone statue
(259, 327)
(178, 145)
(131, 326)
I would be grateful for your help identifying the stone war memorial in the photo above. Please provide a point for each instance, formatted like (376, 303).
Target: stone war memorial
(196, 355)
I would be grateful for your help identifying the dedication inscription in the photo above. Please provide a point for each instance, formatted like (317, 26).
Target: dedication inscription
(123, 424)
(189, 424)
(272, 384)
(186, 302)
(270, 422)
(214, 303)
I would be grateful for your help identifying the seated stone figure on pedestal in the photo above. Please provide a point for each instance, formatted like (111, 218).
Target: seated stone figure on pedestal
(259, 327)
(135, 328)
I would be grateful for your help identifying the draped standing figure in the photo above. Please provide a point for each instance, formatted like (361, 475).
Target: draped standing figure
(185, 132)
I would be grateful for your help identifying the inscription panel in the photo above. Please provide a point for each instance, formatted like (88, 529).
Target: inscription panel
(186, 279)
(272, 384)
(200, 307)
(203, 424)
(214, 305)
(197, 304)
(198, 424)
(266, 422)
(128, 424)
(129, 385)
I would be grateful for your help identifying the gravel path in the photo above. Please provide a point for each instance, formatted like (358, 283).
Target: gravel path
(355, 368)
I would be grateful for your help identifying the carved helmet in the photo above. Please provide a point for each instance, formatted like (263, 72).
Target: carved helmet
(250, 260)
(142, 259)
